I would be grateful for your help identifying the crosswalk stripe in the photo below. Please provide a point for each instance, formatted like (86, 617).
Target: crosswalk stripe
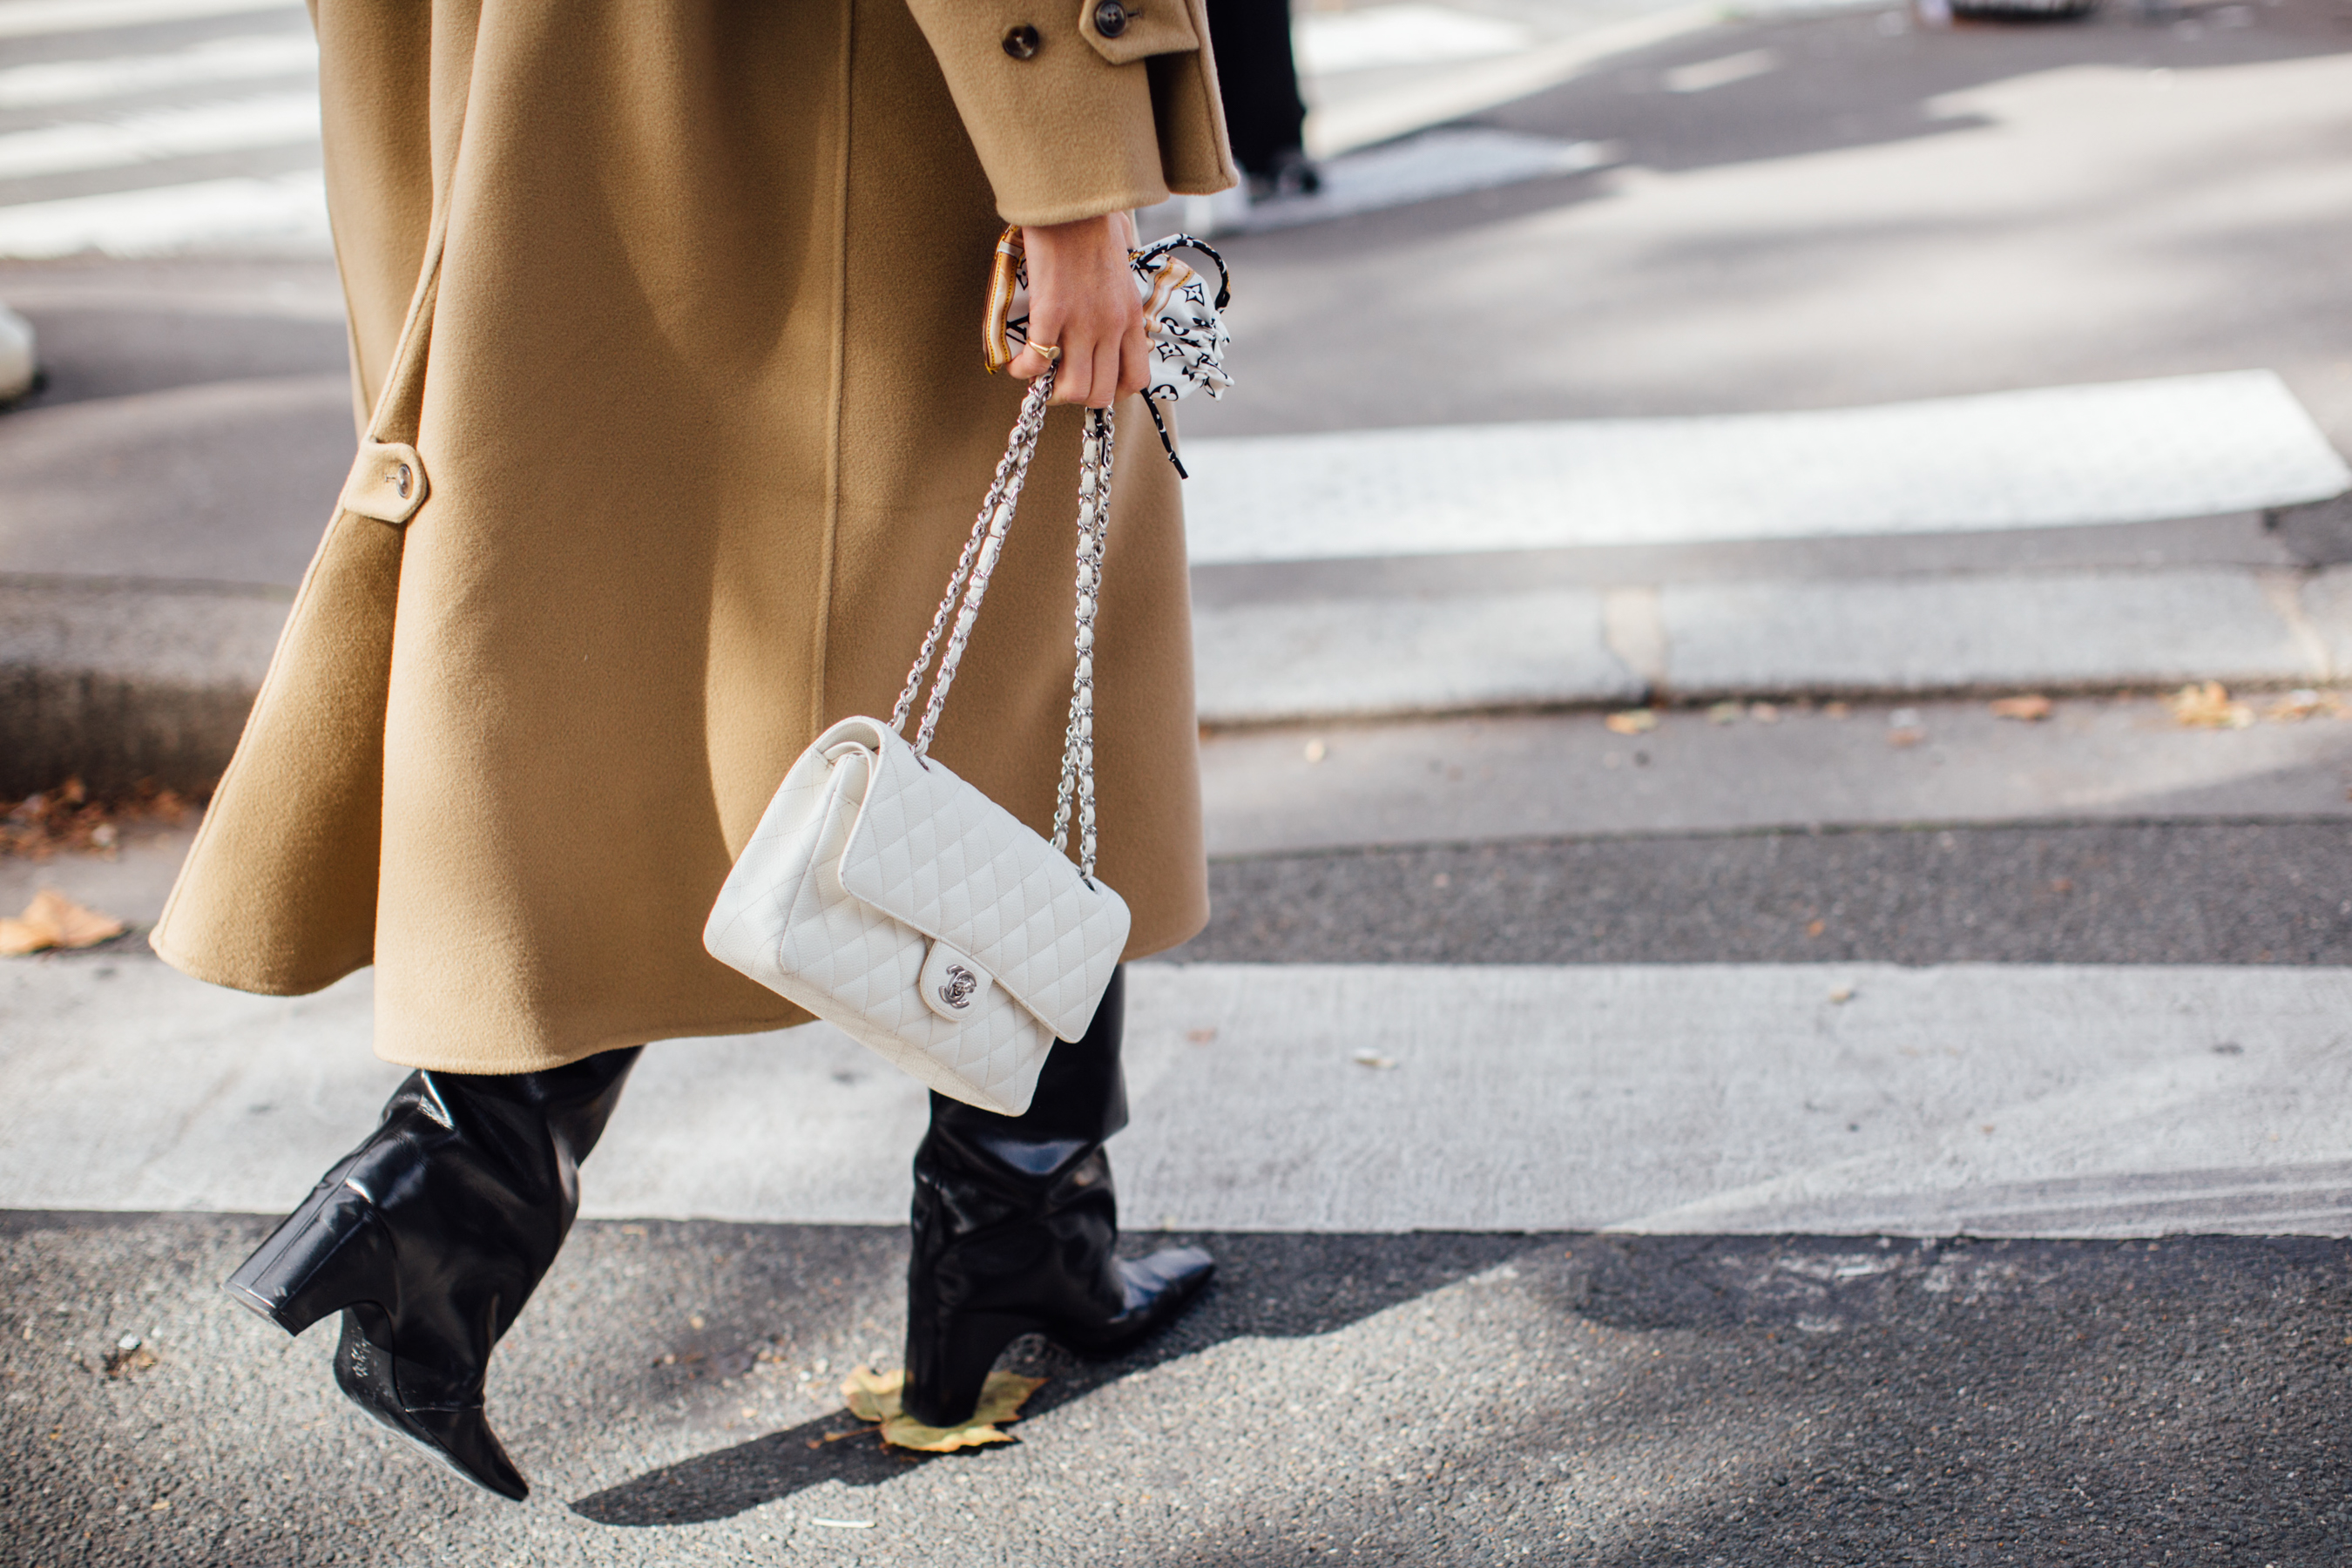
(2021, 1100)
(33, 18)
(164, 218)
(271, 120)
(2178, 447)
(56, 82)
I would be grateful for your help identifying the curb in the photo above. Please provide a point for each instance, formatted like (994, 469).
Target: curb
(2106, 630)
(118, 682)
(123, 681)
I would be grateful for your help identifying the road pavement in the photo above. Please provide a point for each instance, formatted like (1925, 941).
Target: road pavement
(1418, 1399)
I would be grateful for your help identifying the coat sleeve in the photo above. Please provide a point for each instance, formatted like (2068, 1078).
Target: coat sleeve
(1071, 122)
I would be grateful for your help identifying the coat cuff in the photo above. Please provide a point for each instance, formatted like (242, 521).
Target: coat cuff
(1065, 130)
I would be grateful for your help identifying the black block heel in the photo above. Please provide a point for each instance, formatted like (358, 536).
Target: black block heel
(947, 1365)
(328, 1255)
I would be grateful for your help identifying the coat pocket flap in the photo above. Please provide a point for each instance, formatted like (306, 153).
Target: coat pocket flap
(1123, 31)
(932, 852)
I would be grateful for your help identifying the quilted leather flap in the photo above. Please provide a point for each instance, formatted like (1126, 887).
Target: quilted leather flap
(933, 852)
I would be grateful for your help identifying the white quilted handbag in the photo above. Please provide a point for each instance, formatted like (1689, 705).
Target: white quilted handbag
(895, 901)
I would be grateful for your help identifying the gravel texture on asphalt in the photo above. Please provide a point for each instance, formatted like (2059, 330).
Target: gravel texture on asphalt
(2274, 892)
(1400, 1399)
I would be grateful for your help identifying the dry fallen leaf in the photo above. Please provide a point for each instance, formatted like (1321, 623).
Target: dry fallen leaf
(1841, 994)
(2031, 708)
(1633, 722)
(1764, 713)
(2305, 703)
(52, 920)
(1837, 709)
(2206, 705)
(68, 819)
(874, 1396)
(1374, 1059)
(1317, 750)
(1724, 713)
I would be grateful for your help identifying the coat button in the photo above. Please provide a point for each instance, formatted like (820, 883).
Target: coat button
(1021, 43)
(1110, 18)
(402, 481)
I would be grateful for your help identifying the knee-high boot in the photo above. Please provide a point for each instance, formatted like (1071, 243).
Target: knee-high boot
(430, 1236)
(1014, 1222)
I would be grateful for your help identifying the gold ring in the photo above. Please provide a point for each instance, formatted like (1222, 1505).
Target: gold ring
(1053, 351)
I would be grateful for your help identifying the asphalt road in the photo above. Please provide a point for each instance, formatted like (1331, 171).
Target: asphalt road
(1877, 212)
(2134, 892)
(1420, 1399)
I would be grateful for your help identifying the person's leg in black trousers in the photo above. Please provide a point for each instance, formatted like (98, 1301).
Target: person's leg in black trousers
(1258, 79)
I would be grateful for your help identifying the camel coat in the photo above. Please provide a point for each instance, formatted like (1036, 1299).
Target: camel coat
(665, 322)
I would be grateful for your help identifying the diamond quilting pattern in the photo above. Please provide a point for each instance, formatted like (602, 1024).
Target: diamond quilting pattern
(862, 856)
(937, 854)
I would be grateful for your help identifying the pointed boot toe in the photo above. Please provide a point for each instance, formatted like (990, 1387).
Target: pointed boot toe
(1159, 1289)
(448, 1424)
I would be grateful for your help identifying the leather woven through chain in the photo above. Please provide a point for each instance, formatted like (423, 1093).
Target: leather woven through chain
(969, 584)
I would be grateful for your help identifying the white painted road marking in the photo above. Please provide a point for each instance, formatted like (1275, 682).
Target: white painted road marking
(269, 119)
(2070, 1100)
(1704, 75)
(2128, 451)
(57, 82)
(35, 18)
(288, 208)
(1331, 42)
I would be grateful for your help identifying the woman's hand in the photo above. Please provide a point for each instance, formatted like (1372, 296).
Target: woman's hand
(1082, 297)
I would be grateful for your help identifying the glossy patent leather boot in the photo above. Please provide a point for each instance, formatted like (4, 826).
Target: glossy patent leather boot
(430, 1236)
(1014, 1221)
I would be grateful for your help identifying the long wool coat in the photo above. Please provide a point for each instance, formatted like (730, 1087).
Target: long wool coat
(665, 325)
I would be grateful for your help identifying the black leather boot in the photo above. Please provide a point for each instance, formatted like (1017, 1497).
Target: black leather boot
(1014, 1222)
(430, 1236)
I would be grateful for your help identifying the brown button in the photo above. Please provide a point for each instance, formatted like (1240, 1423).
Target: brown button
(1110, 18)
(1021, 43)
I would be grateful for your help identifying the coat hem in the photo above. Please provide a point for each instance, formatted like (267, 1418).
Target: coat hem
(541, 1061)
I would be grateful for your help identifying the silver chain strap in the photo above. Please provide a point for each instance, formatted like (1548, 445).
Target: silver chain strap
(1078, 740)
(968, 582)
(977, 560)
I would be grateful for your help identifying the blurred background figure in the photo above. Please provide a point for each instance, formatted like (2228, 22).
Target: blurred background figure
(19, 368)
(1264, 112)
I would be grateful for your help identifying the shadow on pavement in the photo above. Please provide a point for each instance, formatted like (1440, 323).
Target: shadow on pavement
(1269, 1287)
(1834, 82)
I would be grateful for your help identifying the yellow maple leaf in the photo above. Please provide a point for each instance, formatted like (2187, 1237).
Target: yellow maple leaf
(874, 1396)
(52, 920)
(2206, 705)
